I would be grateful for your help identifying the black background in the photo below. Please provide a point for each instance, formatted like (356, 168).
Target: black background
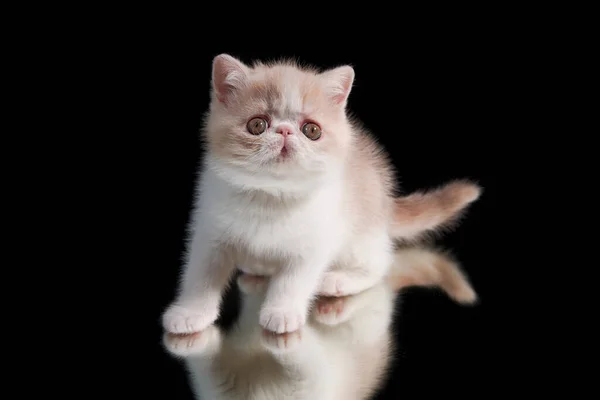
(442, 105)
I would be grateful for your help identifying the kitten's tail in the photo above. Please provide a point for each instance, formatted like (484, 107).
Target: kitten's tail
(417, 266)
(428, 211)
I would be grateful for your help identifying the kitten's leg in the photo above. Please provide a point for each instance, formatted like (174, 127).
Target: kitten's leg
(289, 294)
(293, 350)
(254, 288)
(346, 282)
(206, 273)
(366, 263)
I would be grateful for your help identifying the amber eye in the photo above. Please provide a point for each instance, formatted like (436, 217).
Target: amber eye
(311, 131)
(256, 126)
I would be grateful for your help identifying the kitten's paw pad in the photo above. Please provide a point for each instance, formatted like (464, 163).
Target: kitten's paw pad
(282, 320)
(334, 284)
(331, 310)
(181, 320)
(251, 283)
(184, 345)
(279, 342)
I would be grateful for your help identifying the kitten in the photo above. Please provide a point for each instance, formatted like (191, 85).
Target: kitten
(342, 353)
(291, 188)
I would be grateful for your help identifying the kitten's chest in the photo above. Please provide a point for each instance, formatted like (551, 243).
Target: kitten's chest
(267, 225)
(275, 228)
(260, 227)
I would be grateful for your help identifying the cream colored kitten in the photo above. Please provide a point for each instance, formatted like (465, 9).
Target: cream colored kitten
(293, 189)
(342, 353)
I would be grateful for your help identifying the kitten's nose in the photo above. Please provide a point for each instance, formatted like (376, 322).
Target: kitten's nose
(284, 130)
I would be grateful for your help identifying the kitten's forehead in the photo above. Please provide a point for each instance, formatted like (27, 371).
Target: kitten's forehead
(287, 90)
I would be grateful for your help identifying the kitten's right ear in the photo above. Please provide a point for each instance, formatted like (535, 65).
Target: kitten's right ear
(229, 75)
(338, 82)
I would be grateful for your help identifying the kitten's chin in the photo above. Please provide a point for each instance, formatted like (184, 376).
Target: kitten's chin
(280, 154)
(271, 179)
(285, 156)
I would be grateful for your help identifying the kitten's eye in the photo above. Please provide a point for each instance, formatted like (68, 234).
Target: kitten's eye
(256, 126)
(311, 131)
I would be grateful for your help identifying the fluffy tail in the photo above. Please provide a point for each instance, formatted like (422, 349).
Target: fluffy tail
(428, 211)
(429, 268)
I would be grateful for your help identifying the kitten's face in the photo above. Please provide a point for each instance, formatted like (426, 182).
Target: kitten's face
(269, 125)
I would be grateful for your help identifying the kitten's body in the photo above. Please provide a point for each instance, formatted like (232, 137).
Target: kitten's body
(319, 216)
(342, 353)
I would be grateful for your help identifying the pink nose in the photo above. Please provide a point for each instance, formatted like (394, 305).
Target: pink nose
(284, 130)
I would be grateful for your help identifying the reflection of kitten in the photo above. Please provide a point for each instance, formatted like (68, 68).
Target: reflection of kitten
(342, 353)
(291, 188)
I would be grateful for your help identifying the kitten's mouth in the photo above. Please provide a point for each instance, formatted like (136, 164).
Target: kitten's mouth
(284, 153)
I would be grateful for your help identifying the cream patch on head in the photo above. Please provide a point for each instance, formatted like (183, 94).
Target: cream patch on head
(291, 94)
(288, 100)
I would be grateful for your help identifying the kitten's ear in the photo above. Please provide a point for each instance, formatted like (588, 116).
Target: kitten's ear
(228, 76)
(338, 83)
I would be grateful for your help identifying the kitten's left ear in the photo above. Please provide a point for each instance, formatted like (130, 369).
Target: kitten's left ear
(338, 83)
(228, 76)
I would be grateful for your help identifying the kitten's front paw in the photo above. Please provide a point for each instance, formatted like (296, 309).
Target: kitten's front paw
(282, 319)
(251, 284)
(331, 310)
(335, 284)
(181, 319)
(199, 343)
(278, 342)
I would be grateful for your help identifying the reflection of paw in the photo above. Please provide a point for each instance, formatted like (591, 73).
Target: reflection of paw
(334, 284)
(186, 319)
(184, 345)
(331, 310)
(277, 342)
(250, 284)
(282, 319)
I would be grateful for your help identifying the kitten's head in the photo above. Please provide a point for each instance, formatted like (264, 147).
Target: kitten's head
(277, 127)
